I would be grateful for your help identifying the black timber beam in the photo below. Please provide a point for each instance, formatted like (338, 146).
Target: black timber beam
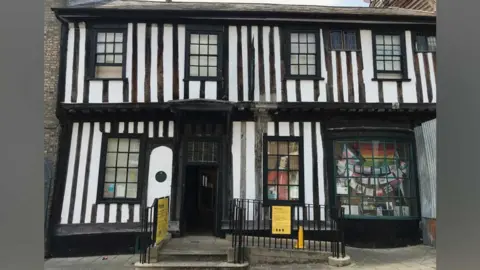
(239, 111)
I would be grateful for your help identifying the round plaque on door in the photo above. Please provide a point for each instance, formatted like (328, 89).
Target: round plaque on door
(161, 176)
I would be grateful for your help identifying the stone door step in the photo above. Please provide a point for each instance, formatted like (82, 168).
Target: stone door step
(192, 255)
(191, 266)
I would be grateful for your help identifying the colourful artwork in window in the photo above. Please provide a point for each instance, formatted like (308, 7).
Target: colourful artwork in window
(376, 172)
(283, 175)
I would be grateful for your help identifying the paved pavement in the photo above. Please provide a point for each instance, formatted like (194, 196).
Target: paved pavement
(415, 257)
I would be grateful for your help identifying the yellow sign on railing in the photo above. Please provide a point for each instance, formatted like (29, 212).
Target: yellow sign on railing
(162, 219)
(281, 220)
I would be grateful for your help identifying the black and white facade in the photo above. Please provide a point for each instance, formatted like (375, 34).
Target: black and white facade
(208, 102)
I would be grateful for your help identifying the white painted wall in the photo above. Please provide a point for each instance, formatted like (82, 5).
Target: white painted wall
(409, 88)
(306, 94)
(161, 159)
(248, 156)
(371, 87)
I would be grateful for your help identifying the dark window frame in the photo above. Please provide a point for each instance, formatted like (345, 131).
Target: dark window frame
(287, 52)
(103, 167)
(343, 33)
(91, 46)
(403, 57)
(359, 133)
(204, 30)
(424, 35)
(216, 151)
(301, 182)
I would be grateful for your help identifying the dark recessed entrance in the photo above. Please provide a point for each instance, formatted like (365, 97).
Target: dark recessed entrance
(201, 182)
(200, 199)
(201, 188)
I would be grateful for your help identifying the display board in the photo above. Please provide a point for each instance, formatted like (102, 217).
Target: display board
(162, 219)
(281, 220)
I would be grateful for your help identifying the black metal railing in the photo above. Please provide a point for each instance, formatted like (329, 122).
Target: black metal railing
(250, 224)
(146, 239)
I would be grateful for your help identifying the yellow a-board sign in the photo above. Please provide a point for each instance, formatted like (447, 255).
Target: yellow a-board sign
(162, 219)
(281, 220)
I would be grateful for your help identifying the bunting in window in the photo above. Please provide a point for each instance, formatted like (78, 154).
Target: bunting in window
(371, 169)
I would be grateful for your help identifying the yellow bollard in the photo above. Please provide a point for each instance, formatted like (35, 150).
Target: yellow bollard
(300, 238)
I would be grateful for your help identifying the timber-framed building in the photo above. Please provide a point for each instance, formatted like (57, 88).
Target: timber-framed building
(206, 102)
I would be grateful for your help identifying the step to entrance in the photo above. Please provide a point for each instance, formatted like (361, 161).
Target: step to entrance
(194, 248)
(192, 255)
(193, 252)
(191, 266)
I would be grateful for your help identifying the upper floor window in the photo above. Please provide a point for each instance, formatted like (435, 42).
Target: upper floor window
(120, 178)
(425, 43)
(109, 53)
(343, 40)
(203, 55)
(283, 179)
(388, 51)
(303, 54)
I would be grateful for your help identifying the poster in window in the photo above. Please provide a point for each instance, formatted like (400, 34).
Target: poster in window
(294, 193)
(389, 205)
(366, 181)
(341, 168)
(354, 210)
(279, 176)
(374, 168)
(272, 192)
(360, 189)
(342, 186)
(109, 190)
(353, 185)
(396, 211)
(283, 192)
(294, 178)
(382, 180)
(342, 189)
(396, 182)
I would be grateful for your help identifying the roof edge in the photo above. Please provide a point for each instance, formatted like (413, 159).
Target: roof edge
(78, 13)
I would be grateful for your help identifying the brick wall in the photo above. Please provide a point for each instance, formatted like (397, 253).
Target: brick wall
(51, 39)
(51, 35)
(51, 126)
